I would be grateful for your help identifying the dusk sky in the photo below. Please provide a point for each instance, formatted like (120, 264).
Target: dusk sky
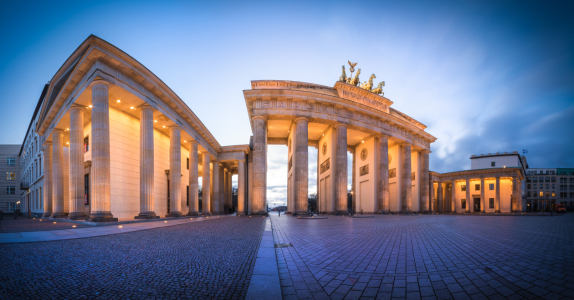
(484, 76)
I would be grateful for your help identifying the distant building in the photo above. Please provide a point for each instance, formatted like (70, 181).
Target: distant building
(540, 189)
(31, 166)
(565, 191)
(494, 184)
(10, 178)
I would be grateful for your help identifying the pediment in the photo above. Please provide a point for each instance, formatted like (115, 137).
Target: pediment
(362, 96)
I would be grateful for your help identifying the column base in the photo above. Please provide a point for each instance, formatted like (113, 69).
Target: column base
(207, 213)
(77, 215)
(58, 216)
(101, 217)
(147, 215)
(175, 214)
(260, 213)
(497, 212)
(46, 214)
(192, 214)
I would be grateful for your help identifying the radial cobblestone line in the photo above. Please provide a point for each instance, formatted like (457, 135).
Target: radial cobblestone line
(430, 257)
(202, 260)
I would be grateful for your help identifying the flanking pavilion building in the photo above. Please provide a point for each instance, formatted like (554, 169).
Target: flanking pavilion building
(117, 142)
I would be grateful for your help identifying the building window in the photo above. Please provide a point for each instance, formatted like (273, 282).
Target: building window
(477, 187)
(188, 163)
(541, 179)
(463, 203)
(553, 194)
(528, 194)
(535, 186)
(541, 194)
(463, 187)
(534, 193)
(188, 191)
(547, 186)
(534, 179)
(528, 186)
(547, 179)
(553, 179)
(493, 164)
(553, 186)
(491, 186)
(490, 202)
(11, 190)
(11, 161)
(10, 175)
(87, 143)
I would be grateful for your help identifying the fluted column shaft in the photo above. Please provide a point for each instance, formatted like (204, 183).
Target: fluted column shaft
(221, 186)
(425, 196)
(497, 199)
(407, 191)
(341, 169)
(482, 195)
(383, 195)
(453, 199)
(174, 172)
(215, 188)
(439, 200)
(147, 205)
(77, 162)
(301, 165)
(229, 196)
(193, 180)
(58, 174)
(206, 186)
(241, 187)
(101, 179)
(259, 184)
(47, 179)
(468, 202)
(515, 193)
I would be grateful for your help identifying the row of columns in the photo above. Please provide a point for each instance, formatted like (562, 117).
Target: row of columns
(300, 142)
(442, 206)
(100, 169)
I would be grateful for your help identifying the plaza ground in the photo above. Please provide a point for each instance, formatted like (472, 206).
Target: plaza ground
(380, 257)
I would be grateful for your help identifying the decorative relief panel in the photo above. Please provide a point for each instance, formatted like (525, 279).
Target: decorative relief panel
(364, 170)
(281, 104)
(296, 105)
(324, 149)
(364, 154)
(290, 163)
(326, 165)
(413, 176)
(390, 158)
(393, 173)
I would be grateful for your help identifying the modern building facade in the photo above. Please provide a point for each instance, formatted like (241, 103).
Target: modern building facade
(10, 179)
(546, 187)
(565, 192)
(494, 184)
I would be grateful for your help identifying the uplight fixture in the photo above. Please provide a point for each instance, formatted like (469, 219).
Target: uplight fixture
(132, 107)
(155, 121)
(89, 106)
(119, 101)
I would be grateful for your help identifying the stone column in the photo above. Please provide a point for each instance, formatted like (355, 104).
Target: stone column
(205, 186)
(406, 192)
(58, 174)
(425, 196)
(514, 194)
(174, 172)
(77, 163)
(354, 179)
(258, 203)
(439, 200)
(383, 193)
(101, 202)
(519, 195)
(146, 164)
(230, 191)
(432, 205)
(482, 195)
(47, 179)
(216, 188)
(301, 165)
(222, 183)
(241, 187)
(341, 169)
(453, 200)
(497, 199)
(193, 177)
(318, 208)
(468, 202)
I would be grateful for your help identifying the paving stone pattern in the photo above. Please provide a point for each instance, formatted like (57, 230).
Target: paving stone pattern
(203, 260)
(426, 257)
(23, 224)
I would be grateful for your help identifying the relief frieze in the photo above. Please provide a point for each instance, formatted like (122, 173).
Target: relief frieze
(393, 173)
(364, 170)
(326, 165)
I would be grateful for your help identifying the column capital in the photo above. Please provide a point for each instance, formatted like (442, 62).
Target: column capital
(258, 117)
(145, 106)
(58, 130)
(47, 143)
(241, 160)
(425, 151)
(339, 125)
(76, 106)
(300, 119)
(100, 82)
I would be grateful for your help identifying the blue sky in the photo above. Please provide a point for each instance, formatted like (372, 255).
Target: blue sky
(484, 76)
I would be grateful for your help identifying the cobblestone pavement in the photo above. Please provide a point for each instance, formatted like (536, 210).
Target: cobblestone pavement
(428, 256)
(204, 260)
(23, 224)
